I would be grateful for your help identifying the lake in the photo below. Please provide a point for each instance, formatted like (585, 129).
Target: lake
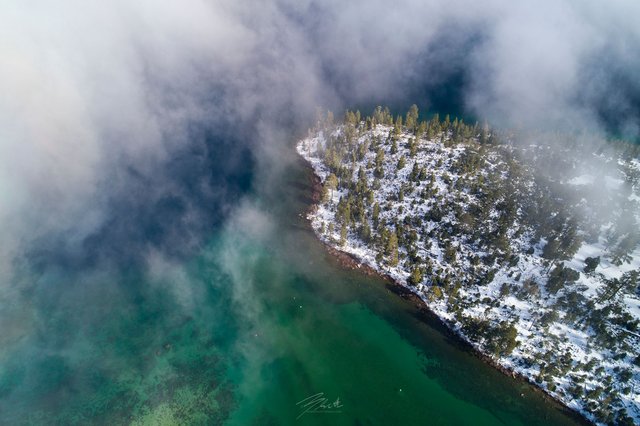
(241, 333)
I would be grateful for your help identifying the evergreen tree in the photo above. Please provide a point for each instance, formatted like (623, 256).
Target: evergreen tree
(413, 147)
(343, 234)
(551, 250)
(421, 129)
(375, 216)
(559, 276)
(378, 117)
(392, 249)
(415, 172)
(412, 117)
(628, 283)
(416, 276)
(591, 263)
(397, 127)
(570, 241)
(331, 183)
(394, 146)
(401, 163)
(379, 164)
(622, 252)
(365, 232)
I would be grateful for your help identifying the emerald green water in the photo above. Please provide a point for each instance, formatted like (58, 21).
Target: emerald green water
(321, 328)
(259, 320)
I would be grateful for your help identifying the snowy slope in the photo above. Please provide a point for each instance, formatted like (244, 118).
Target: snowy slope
(558, 345)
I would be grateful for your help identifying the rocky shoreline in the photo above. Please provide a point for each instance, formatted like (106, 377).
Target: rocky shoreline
(350, 261)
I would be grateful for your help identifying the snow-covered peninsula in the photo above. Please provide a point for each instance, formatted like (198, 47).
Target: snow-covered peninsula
(527, 251)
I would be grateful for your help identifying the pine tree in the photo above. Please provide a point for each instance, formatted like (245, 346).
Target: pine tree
(397, 128)
(365, 232)
(416, 276)
(379, 163)
(412, 117)
(375, 216)
(413, 147)
(421, 129)
(401, 163)
(415, 172)
(392, 249)
(591, 263)
(628, 283)
(394, 146)
(378, 117)
(551, 249)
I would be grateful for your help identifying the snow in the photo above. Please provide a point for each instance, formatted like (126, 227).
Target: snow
(535, 339)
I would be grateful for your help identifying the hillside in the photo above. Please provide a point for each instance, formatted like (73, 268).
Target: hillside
(528, 250)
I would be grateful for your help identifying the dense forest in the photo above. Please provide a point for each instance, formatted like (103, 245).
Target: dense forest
(526, 244)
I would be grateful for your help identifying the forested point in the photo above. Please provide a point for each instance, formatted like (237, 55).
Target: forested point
(527, 245)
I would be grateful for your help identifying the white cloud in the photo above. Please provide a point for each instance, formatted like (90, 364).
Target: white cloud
(91, 87)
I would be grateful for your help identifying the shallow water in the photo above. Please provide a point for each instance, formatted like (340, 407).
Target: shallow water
(259, 320)
(321, 328)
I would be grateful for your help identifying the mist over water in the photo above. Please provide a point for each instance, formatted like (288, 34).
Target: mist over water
(113, 110)
(146, 160)
(256, 319)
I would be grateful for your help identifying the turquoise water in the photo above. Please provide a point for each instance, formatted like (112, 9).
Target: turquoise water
(259, 320)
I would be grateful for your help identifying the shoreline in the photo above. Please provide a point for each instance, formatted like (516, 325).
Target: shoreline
(351, 261)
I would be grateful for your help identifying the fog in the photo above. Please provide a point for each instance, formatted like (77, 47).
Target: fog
(94, 92)
(129, 131)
